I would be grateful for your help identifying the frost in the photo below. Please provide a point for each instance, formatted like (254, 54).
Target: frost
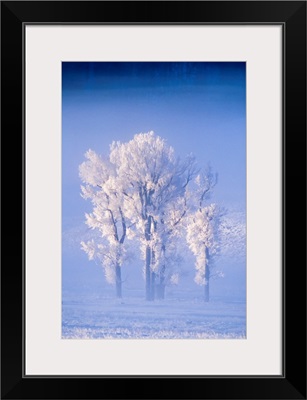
(143, 193)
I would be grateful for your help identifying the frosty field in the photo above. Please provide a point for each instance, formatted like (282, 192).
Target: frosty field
(181, 316)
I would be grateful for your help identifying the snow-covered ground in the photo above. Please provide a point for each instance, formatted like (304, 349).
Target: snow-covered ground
(182, 315)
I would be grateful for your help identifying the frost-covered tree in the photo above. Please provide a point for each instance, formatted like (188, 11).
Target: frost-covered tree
(154, 180)
(232, 233)
(171, 230)
(103, 187)
(110, 255)
(203, 230)
(202, 238)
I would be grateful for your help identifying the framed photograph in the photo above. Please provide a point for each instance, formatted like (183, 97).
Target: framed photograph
(162, 147)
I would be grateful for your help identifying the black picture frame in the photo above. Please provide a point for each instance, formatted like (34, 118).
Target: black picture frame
(292, 16)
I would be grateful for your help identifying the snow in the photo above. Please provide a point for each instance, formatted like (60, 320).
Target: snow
(97, 314)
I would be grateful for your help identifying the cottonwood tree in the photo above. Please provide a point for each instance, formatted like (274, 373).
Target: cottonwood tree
(153, 179)
(111, 256)
(103, 188)
(203, 230)
(232, 234)
(171, 229)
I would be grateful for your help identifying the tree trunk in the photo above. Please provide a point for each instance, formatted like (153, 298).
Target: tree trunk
(152, 277)
(161, 284)
(160, 288)
(152, 286)
(118, 281)
(148, 277)
(206, 294)
(207, 278)
(147, 274)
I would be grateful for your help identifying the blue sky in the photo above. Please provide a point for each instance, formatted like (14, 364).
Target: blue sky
(198, 108)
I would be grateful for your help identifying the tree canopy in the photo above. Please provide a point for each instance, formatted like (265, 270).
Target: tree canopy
(142, 192)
